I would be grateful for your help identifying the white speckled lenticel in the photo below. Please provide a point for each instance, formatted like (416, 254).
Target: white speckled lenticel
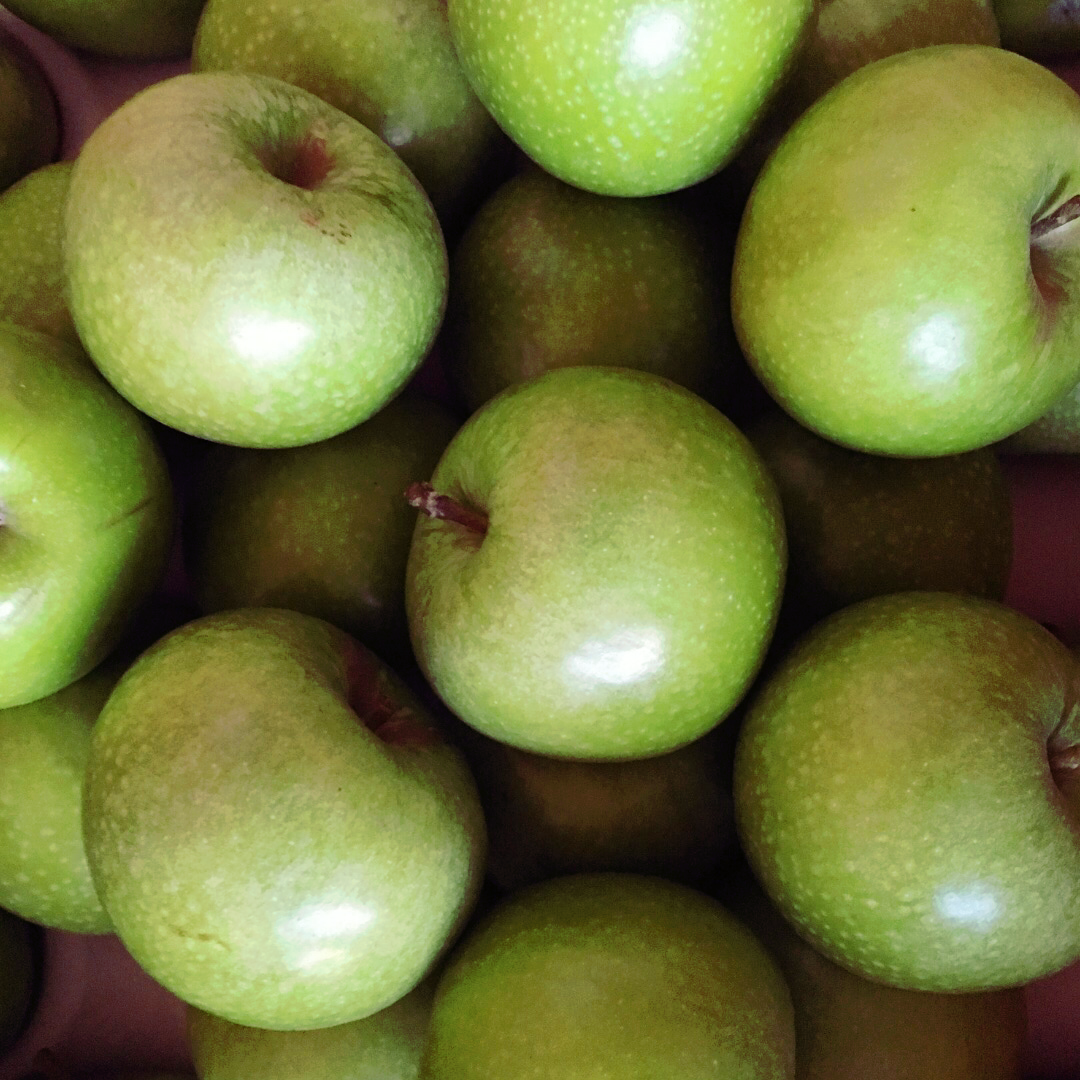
(627, 97)
(248, 264)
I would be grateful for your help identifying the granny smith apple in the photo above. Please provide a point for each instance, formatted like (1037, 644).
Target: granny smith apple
(670, 815)
(599, 566)
(904, 272)
(623, 976)
(248, 264)
(384, 1046)
(86, 515)
(321, 528)
(546, 275)
(127, 29)
(278, 831)
(627, 97)
(845, 35)
(849, 1028)
(31, 234)
(44, 746)
(391, 64)
(19, 966)
(1057, 431)
(29, 119)
(906, 790)
(1041, 28)
(864, 524)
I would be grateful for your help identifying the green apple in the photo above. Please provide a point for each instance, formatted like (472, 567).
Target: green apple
(29, 118)
(86, 515)
(627, 97)
(19, 964)
(44, 746)
(127, 29)
(848, 1028)
(248, 264)
(322, 528)
(1045, 29)
(622, 976)
(904, 273)
(860, 525)
(391, 64)
(278, 831)
(31, 235)
(906, 790)
(546, 275)
(670, 815)
(845, 35)
(384, 1046)
(612, 585)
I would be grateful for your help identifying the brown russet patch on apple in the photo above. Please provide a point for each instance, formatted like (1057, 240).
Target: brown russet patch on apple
(207, 939)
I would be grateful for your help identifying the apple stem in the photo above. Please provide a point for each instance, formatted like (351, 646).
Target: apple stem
(426, 499)
(1066, 761)
(1066, 212)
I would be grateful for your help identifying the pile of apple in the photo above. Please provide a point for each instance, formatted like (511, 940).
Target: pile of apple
(503, 536)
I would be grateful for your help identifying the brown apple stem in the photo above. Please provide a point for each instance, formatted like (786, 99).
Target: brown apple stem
(1066, 212)
(1066, 762)
(427, 500)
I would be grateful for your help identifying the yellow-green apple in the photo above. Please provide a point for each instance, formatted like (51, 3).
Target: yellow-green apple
(127, 29)
(86, 515)
(321, 528)
(907, 791)
(1047, 29)
(390, 63)
(623, 976)
(546, 275)
(670, 815)
(31, 235)
(44, 745)
(888, 295)
(598, 568)
(384, 1046)
(627, 97)
(864, 524)
(29, 118)
(849, 1028)
(247, 263)
(277, 829)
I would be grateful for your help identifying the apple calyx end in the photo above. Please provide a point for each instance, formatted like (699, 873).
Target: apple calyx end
(427, 500)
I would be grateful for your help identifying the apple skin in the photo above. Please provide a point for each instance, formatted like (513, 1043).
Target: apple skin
(44, 746)
(861, 525)
(31, 234)
(546, 275)
(323, 528)
(29, 119)
(906, 792)
(1044, 29)
(848, 1028)
(278, 831)
(86, 515)
(623, 596)
(670, 815)
(390, 64)
(125, 29)
(384, 1046)
(1057, 431)
(888, 295)
(671, 90)
(623, 976)
(327, 276)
